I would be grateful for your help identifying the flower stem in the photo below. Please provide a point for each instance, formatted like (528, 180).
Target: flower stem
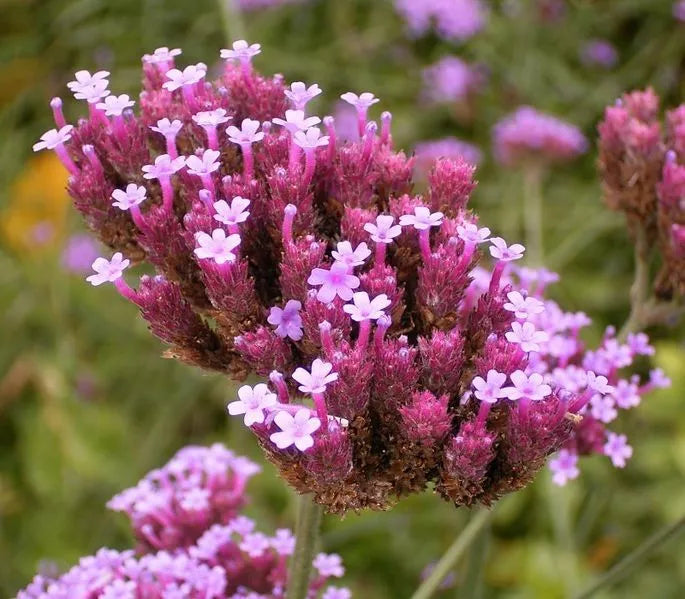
(532, 213)
(640, 288)
(628, 563)
(232, 20)
(307, 534)
(452, 555)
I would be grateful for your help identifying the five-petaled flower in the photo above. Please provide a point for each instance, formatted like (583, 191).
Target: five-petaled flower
(617, 449)
(163, 167)
(205, 164)
(93, 93)
(255, 544)
(500, 250)
(299, 94)
(598, 383)
(336, 281)
(383, 231)
(108, 271)
(162, 55)
(188, 76)
(218, 247)
(316, 380)
(295, 121)
(233, 214)
(283, 542)
(167, 128)
(527, 387)
(361, 101)
(253, 402)
(211, 118)
(351, 257)
(603, 408)
(85, 80)
(247, 134)
(115, 105)
(310, 139)
(527, 336)
(329, 565)
(422, 219)
(287, 320)
(523, 306)
(470, 233)
(53, 138)
(132, 196)
(295, 430)
(241, 51)
(490, 389)
(362, 308)
(564, 467)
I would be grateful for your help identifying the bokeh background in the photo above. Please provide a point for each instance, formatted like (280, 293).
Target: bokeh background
(87, 404)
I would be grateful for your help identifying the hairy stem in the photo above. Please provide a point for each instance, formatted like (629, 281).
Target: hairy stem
(307, 533)
(532, 213)
(639, 291)
(628, 564)
(452, 555)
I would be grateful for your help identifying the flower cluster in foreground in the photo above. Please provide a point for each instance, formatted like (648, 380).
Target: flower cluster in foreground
(643, 176)
(391, 362)
(193, 541)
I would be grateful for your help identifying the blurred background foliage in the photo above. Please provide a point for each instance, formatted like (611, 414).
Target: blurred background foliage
(86, 403)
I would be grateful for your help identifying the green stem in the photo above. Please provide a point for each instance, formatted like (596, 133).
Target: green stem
(473, 586)
(452, 555)
(628, 563)
(307, 534)
(532, 213)
(639, 291)
(232, 20)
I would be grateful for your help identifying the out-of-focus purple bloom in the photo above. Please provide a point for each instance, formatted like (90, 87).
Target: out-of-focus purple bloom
(79, 253)
(599, 53)
(450, 80)
(679, 10)
(427, 152)
(564, 467)
(452, 19)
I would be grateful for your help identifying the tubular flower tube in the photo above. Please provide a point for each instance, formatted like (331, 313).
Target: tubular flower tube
(360, 303)
(193, 541)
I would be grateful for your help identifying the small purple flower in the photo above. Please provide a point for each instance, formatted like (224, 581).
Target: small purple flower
(639, 344)
(108, 271)
(626, 395)
(247, 134)
(564, 467)
(283, 542)
(287, 320)
(500, 250)
(337, 593)
(84, 80)
(362, 308)
(427, 152)
(527, 336)
(523, 306)
(450, 80)
(600, 383)
(162, 55)
(53, 138)
(295, 120)
(163, 167)
(93, 93)
(528, 387)
(490, 389)
(234, 214)
(598, 52)
(362, 101)
(253, 401)
(79, 253)
(603, 408)
(218, 247)
(329, 565)
(422, 219)
(188, 76)
(617, 449)
(299, 94)
(679, 10)
(310, 139)
(658, 379)
(205, 164)
(241, 51)
(115, 105)
(316, 380)
(210, 118)
(470, 233)
(351, 257)
(167, 128)
(255, 544)
(295, 430)
(383, 231)
(134, 195)
(337, 281)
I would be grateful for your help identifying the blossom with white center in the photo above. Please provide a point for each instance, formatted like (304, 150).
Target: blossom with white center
(295, 121)
(283, 542)
(85, 80)
(163, 167)
(241, 51)
(527, 336)
(383, 231)
(93, 93)
(490, 389)
(252, 401)
(422, 219)
(108, 271)
(336, 281)
(205, 164)
(299, 94)
(316, 380)
(287, 320)
(617, 449)
(242, 525)
(523, 306)
(211, 118)
(233, 214)
(337, 593)
(658, 379)
(310, 139)
(362, 308)
(167, 128)
(598, 383)
(188, 76)
(132, 196)
(329, 565)
(53, 138)
(218, 247)
(500, 250)
(529, 387)
(161, 55)
(361, 101)
(603, 408)
(255, 544)
(626, 395)
(351, 257)
(564, 467)
(470, 233)
(115, 105)
(247, 134)
(295, 430)
(195, 500)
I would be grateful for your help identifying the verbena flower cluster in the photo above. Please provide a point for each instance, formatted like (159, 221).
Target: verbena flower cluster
(451, 80)
(528, 135)
(390, 361)
(456, 20)
(642, 165)
(193, 541)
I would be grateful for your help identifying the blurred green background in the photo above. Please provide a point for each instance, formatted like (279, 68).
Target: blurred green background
(87, 405)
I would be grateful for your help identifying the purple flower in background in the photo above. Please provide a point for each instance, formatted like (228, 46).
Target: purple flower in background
(79, 253)
(531, 135)
(564, 467)
(452, 19)
(600, 53)
(679, 10)
(427, 152)
(450, 80)
(617, 449)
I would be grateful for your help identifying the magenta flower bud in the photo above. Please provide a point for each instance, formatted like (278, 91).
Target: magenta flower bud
(56, 105)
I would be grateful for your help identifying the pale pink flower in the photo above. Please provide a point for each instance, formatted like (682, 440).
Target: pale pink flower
(295, 430)
(363, 308)
(253, 402)
(422, 219)
(490, 389)
(316, 380)
(529, 387)
(218, 247)
(383, 231)
(334, 282)
(108, 271)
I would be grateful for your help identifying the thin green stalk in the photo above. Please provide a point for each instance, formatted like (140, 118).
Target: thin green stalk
(532, 213)
(628, 564)
(307, 533)
(474, 580)
(639, 291)
(432, 583)
(232, 20)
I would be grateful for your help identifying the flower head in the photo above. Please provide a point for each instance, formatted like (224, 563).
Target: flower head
(53, 138)
(500, 250)
(299, 94)
(383, 230)
(528, 387)
(188, 76)
(115, 105)
(295, 430)
(362, 308)
(234, 214)
(337, 281)
(316, 380)
(287, 320)
(247, 134)
(108, 271)
(618, 450)
(351, 257)
(253, 401)
(564, 467)
(132, 196)
(218, 247)
(490, 389)
(422, 219)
